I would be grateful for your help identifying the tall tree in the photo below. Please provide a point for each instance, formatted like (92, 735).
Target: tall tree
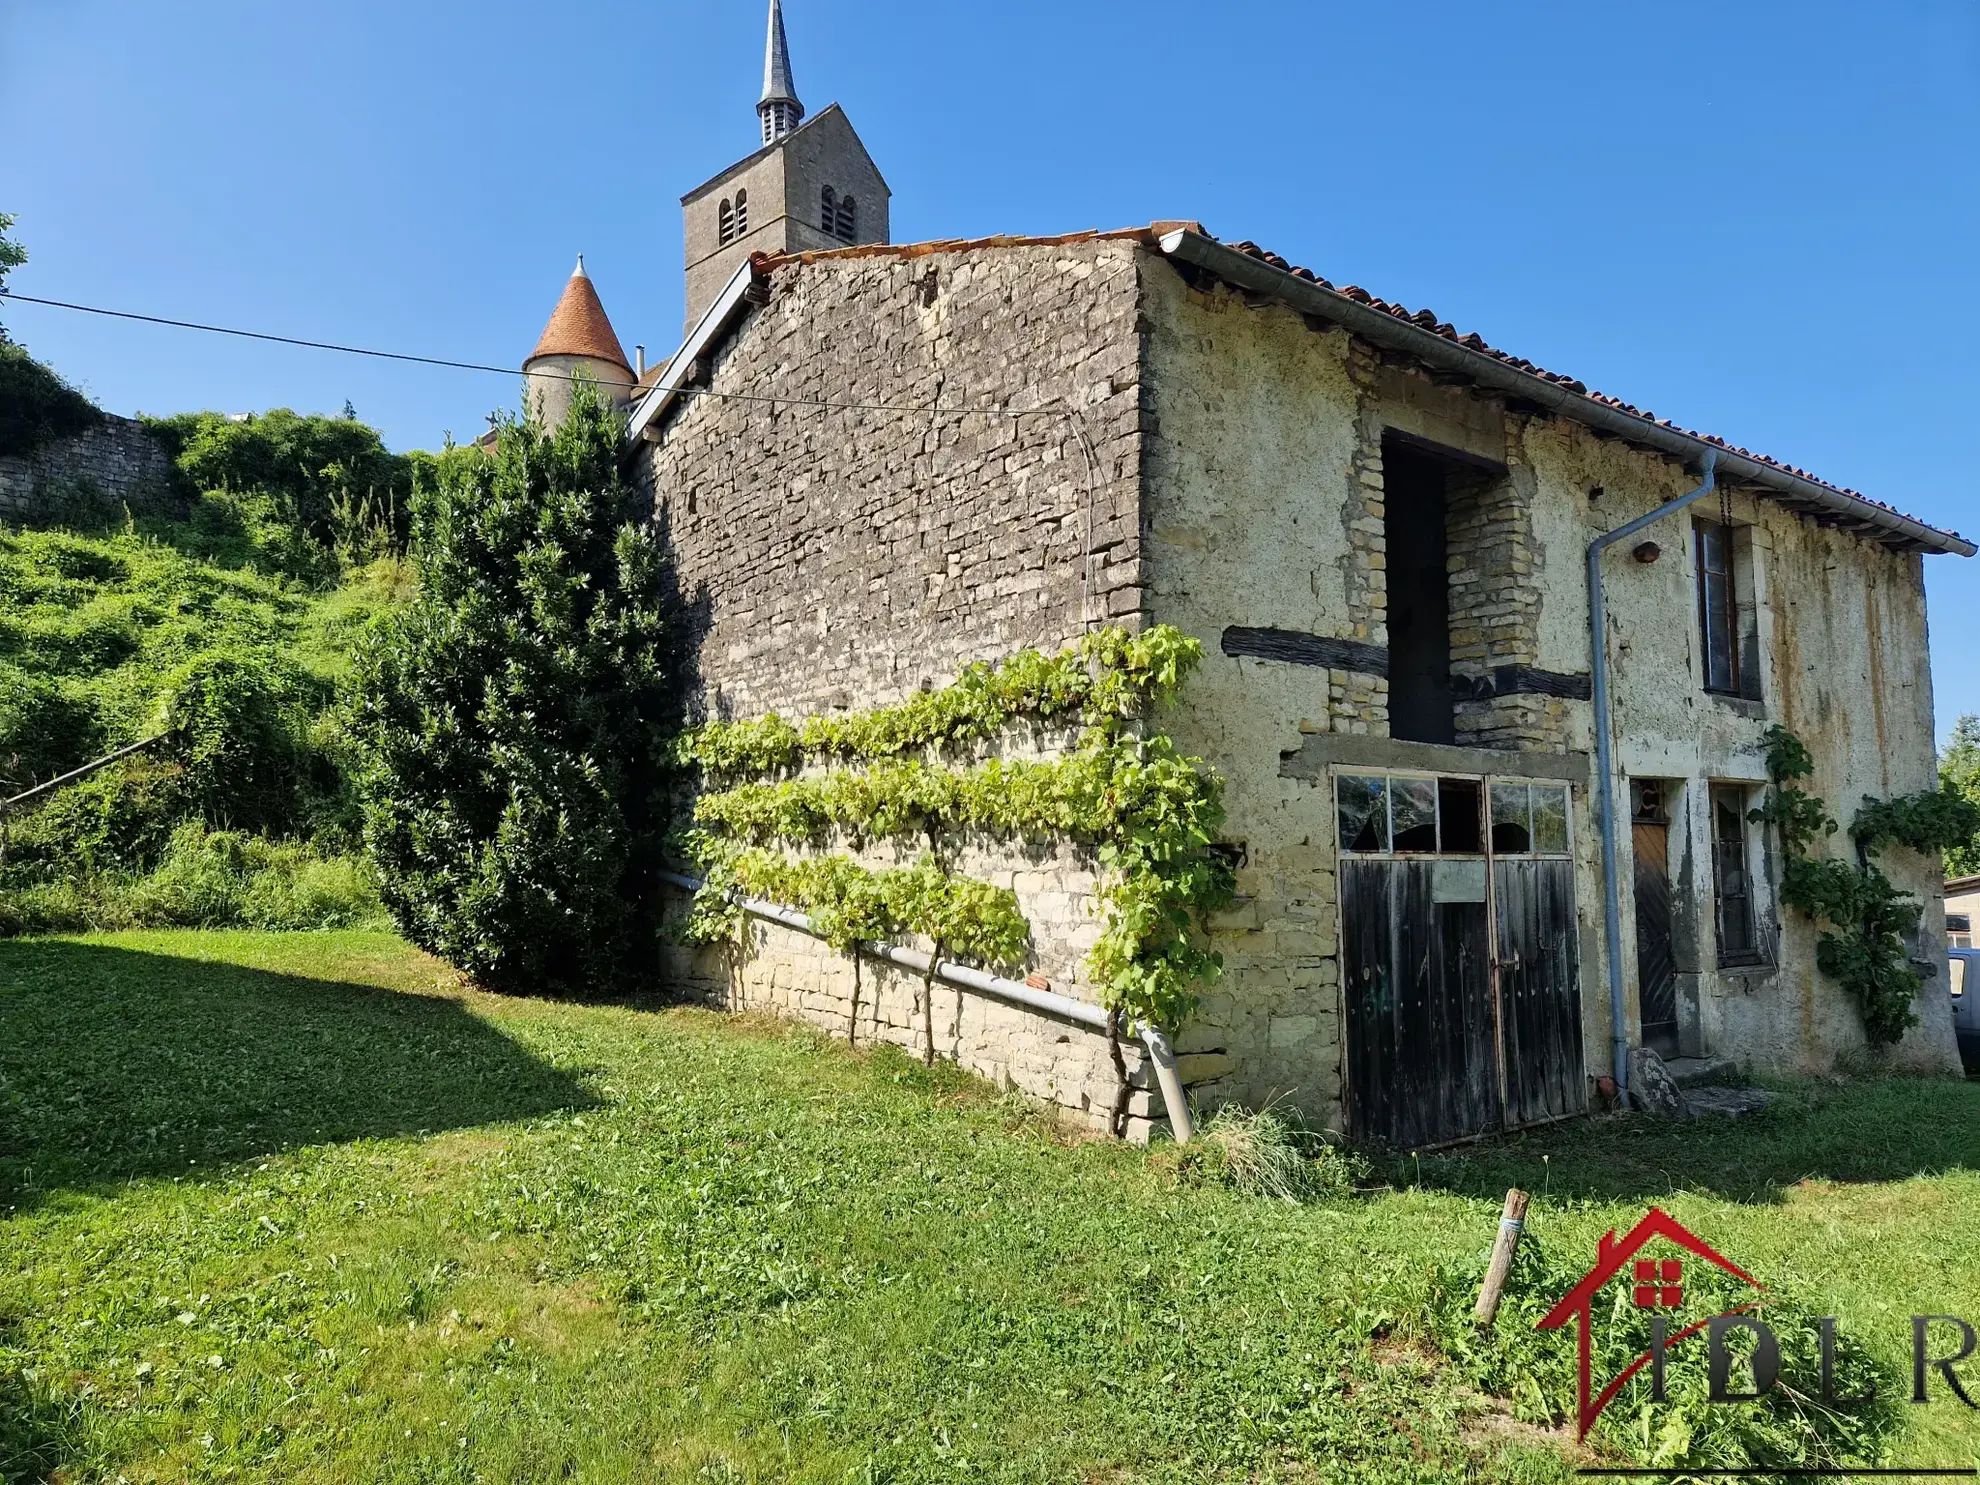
(1959, 772)
(511, 726)
(12, 256)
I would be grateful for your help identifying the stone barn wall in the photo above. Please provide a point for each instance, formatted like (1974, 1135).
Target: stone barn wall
(835, 559)
(1264, 516)
(840, 558)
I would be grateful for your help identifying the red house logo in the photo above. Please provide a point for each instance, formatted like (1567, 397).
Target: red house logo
(1655, 1284)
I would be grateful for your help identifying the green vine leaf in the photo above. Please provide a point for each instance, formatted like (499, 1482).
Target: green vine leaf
(1147, 812)
(1863, 950)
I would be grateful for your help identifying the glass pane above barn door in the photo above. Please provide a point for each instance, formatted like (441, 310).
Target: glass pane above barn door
(1362, 811)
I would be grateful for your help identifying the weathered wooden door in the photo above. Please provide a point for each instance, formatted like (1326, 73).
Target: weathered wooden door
(1421, 1035)
(1539, 990)
(1656, 965)
(1458, 958)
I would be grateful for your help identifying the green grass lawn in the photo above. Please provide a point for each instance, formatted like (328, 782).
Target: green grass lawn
(297, 1207)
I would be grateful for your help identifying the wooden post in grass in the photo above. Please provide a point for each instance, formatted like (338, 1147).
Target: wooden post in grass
(1511, 1223)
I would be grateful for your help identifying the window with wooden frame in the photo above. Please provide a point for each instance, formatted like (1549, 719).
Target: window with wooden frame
(725, 221)
(1718, 606)
(1732, 884)
(742, 213)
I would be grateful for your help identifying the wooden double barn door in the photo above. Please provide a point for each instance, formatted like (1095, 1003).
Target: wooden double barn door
(1458, 955)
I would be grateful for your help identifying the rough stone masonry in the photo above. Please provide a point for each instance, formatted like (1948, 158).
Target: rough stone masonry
(113, 465)
(976, 447)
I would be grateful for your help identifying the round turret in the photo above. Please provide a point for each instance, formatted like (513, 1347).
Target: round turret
(578, 342)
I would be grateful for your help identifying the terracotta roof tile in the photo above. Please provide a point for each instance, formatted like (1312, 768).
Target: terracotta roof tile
(1477, 343)
(578, 326)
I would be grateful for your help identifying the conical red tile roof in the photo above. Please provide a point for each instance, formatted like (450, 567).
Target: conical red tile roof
(578, 326)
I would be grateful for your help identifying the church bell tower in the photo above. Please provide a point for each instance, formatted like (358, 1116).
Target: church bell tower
(810, 187)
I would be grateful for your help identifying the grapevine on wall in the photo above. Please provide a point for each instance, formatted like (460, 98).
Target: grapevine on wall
(778, 797)
(1864, 948)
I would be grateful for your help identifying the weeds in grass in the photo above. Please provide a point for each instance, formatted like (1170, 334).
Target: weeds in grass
(205, 878)
(1270, 1152)
(1535, 1371)
(38, 1429)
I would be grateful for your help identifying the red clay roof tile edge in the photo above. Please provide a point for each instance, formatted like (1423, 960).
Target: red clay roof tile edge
(1423, 318)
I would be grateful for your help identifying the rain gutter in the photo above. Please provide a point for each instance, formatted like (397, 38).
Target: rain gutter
(1605, 771)
(1796, 491)
(1161, 1054)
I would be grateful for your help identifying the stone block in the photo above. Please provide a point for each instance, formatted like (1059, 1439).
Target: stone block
(1288, 1032)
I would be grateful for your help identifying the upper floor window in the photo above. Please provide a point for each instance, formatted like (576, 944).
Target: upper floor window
(828, 210)
(742, 213)
(725, 220)
(848, 223)
(1718, 607)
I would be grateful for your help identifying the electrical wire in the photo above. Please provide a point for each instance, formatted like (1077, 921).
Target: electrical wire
(935, 410)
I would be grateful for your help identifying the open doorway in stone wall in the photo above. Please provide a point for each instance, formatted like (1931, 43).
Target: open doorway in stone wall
(1419, 609)
(1431, 506)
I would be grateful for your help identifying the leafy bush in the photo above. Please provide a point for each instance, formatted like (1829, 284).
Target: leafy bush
(12, 254)
(1959, 773)
(235, 722)
(43, 726)
(251, 530)
(118, 819)
(36, 405)
(230, 630)
(328, 476)
(1535, 1370)
(107, 639)
(510, 728)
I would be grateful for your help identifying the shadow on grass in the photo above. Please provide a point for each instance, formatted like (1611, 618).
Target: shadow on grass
(1882, 1130)
(36, 1432)
(117, 1063)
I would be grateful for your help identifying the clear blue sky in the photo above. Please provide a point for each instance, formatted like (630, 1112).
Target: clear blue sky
(1758, 219)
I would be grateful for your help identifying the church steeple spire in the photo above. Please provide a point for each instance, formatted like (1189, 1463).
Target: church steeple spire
(778, 107)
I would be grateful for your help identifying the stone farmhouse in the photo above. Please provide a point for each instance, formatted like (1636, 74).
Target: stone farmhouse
(877, 462)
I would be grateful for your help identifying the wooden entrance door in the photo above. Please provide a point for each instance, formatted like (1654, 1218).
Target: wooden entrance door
(1656, 964)
(1459, 967)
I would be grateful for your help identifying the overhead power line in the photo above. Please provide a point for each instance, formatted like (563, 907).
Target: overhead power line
(356, 350)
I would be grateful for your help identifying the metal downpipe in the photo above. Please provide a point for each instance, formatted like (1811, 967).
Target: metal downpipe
(1605, 773)
(1161, 1055)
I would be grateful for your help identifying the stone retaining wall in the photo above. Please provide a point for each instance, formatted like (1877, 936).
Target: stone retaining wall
(97, 472)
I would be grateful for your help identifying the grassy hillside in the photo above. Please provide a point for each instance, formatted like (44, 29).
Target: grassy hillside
(231, 630)
(301, 1208)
